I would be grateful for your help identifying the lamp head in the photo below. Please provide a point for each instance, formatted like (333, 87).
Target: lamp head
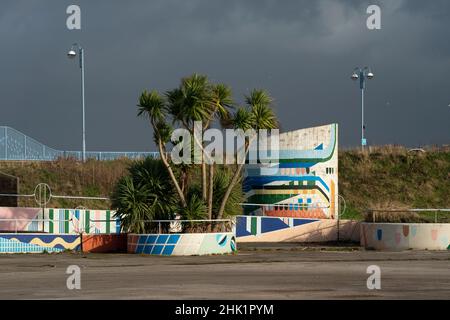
(71, 54)
(370, 75)
(354, 76)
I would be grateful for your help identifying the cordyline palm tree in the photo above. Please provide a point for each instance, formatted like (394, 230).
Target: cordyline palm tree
(198, 100)
(152, 106)
(257, 115)
(145, 194)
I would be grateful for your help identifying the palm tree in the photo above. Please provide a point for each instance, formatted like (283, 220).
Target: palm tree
(152, 106)
(145, 194)
(198, 100)
(195, 99)
(258, 114)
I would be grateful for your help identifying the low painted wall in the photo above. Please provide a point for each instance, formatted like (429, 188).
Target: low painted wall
(404, 236)
(104, 243)
(272, 229)
(37, 243)
(59, 221)
(186, 244)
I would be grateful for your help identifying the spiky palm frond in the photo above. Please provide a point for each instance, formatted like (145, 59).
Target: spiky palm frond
(222, 100)
(195, 208)
(222, 180)
(146, 194)
(260, 104)
(152, 105)
(162, 131)
(242, 119)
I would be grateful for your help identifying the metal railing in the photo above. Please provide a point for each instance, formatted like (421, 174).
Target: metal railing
(17, 220)
(187, 226)
(16, 146)
(377, 212)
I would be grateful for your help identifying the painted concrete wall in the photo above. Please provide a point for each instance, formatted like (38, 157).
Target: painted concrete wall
(37, 243)
(272, 229)
(403, 236)
(60, 221)
(306, 182)
(104, 243)
(186, 244)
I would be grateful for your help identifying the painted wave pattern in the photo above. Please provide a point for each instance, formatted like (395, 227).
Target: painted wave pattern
(305, 183)
(32, 243)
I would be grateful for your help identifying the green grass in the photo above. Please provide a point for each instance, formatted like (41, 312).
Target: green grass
(382, 177)
(391, 177)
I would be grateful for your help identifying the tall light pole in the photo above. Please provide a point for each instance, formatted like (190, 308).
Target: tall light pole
(362, 74)
(72, 54)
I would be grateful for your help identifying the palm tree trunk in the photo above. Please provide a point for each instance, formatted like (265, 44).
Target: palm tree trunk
(172, 175)
(233, 182)
(211, 188)
(204, 187)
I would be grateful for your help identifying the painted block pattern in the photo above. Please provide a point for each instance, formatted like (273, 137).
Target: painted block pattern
(257, 225)
(279, 229)
(404, 236)
(60, 221)
(305, 184)
(181, 244)
(37, 243)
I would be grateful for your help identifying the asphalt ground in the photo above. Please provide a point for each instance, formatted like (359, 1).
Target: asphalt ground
(266, 271)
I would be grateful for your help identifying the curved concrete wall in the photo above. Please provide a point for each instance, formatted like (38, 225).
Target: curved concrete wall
(271, 229)
(404, 236)
(184, 244)
(37, 242)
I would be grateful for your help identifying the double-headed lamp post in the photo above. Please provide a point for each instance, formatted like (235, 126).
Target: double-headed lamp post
(72, 54)
(362, 74)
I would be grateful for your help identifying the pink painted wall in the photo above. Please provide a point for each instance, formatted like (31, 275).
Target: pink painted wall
(405, 236)
(17, 213)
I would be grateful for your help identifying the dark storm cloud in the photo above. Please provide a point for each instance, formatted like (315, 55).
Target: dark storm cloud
(301, 51)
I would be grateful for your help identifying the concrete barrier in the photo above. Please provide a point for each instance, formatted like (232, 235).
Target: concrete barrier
(404, 236)
(104, 243)
(184, 244)
(37, 242)
(272, 229)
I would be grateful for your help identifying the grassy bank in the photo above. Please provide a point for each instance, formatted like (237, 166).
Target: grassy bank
(381, 178)
(393, 177)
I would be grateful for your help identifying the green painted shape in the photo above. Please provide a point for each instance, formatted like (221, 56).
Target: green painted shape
(108, 217)
(448, 248)
(253, 226)
(87, 224)
(50, 216)
(66, 223)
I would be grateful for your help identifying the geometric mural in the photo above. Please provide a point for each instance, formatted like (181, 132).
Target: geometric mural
(286, 229)
(34, 243)
(181, 244)
(246, 226)
(306, 182)
(59, 221)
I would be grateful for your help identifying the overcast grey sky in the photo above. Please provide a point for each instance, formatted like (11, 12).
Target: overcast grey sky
(302, 52)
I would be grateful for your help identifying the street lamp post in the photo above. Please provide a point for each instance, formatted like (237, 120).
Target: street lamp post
(72, 54)
(362, 74)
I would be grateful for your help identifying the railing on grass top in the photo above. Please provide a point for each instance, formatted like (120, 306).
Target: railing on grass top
(16, 146)
(377, 213)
